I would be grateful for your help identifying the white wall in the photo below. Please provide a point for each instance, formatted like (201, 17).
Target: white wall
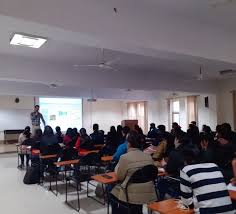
(225, 112)
(7, 105)
(225, 101)
(158, 112)
(8, 102)
(103, 112)
(207, 116)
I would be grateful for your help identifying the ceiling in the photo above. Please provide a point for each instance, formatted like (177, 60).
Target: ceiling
(160, 44)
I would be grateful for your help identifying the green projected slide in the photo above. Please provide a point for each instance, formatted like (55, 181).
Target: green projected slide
(62, 112)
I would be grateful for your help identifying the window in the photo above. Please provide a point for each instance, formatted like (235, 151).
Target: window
(175, 111)
(137, 111)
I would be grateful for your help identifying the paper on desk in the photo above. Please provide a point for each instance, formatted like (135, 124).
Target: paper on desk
(231, 187)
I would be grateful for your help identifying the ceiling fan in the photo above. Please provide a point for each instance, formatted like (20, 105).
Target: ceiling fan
(104, 64)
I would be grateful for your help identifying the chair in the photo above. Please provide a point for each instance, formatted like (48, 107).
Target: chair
(22, 150)
(82, 173)
(168, 185)
(142, 175)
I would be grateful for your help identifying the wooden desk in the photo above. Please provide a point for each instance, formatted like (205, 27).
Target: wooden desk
(99, 146)
(66, 163)
(47, 156)
(107, 158)
(162, 174)
(105, 181)
(88, 152)
(35, 152)
(100, 179)
(232, 195)
(168, 207)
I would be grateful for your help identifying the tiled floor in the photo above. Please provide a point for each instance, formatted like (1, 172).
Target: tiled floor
(16, 197)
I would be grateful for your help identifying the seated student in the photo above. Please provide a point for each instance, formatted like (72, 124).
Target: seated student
(138, 129)
(193, 134)
(194, 123)
(25, 152)
(49, 143)
(68, 136)
(35, 145)
(207, 149)
(170, 138)
(172, 164)
(59, 134)
(207, 129)
(203, 187)
(139, 193)
(218, 129)
(83, 142)
(174, 127)
(152, 131)
(158, 155)
(97, 137)
(36, 140)
(175, 159)
(112, 141)
(75, 135)
(231, 134)
(22, 136)
(119, 133)
(224, 154)
(68, 153)
(122, 149)
(228, 129)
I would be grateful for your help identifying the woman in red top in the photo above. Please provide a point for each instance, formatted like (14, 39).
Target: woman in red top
(83, 142)
(68, 136)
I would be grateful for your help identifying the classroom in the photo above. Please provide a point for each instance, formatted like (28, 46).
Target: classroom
(117, 106)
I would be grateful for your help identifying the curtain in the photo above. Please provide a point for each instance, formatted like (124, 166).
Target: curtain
(137, 111)
(191, 108)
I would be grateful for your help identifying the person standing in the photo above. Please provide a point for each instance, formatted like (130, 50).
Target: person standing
(35, 117)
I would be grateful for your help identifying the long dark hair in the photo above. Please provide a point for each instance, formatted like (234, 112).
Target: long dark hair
(48, 131)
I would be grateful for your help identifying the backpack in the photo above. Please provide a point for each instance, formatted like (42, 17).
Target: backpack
(32, 175)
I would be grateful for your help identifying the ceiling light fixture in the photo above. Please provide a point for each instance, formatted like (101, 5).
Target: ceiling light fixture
(27, 40)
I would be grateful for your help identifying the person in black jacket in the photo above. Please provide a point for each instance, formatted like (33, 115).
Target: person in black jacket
(193, 134)
(59, 135)
(119, 133)
(152, 131)
(112, 141)
(49, 143)
(97, 136)
(224, 154)
(36, 140)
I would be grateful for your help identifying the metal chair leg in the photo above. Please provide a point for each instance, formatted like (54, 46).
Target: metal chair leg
(78, 199)
(66, 190)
